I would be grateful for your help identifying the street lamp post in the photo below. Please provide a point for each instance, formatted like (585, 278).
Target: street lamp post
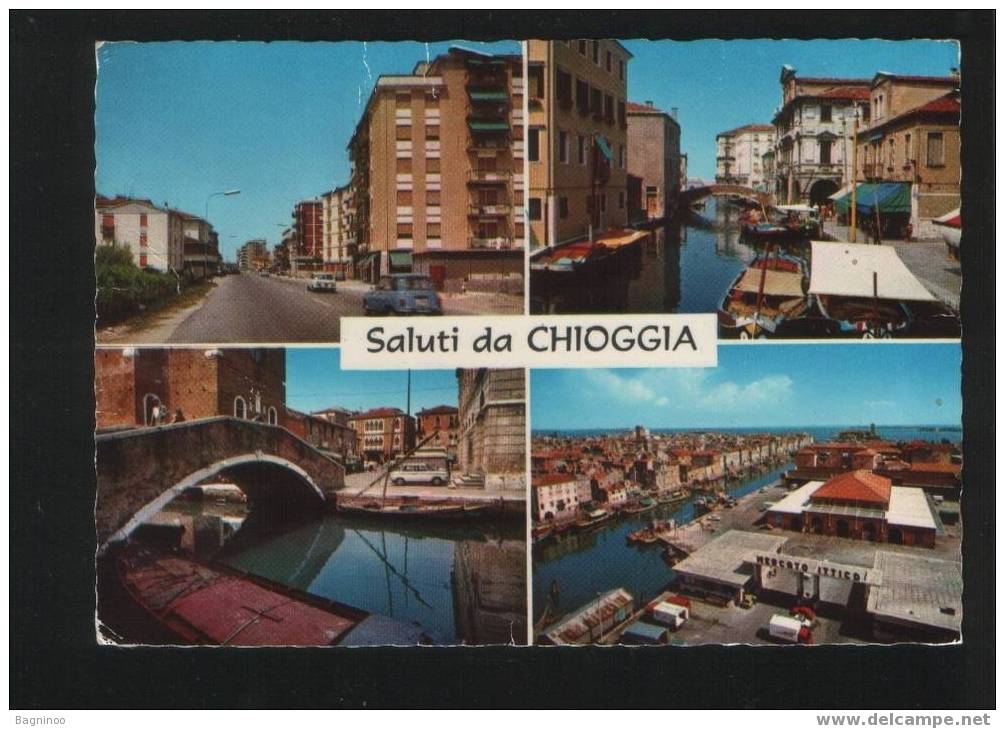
(216, 194)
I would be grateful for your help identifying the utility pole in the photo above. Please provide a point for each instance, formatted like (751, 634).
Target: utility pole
(854, 178)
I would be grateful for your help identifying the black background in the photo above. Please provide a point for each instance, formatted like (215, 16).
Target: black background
(54, 662)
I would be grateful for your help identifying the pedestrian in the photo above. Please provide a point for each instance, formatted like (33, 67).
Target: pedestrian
(179, 417)
(155, 414)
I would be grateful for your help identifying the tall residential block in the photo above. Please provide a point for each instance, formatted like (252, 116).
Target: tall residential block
(577, 138)
(437, 173)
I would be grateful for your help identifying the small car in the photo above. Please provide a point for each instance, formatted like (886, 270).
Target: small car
(322, 282)
(402, 294)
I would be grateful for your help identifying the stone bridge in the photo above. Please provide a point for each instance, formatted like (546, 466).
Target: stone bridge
(693, 194)
(140, 470)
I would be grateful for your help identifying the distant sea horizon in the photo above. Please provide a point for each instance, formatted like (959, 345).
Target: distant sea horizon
(819, 432)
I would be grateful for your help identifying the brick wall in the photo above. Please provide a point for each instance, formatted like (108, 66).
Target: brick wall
(114, 388)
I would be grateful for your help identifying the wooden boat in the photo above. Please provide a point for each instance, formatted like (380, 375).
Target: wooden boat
(592, 518)
(641, 506)
(864, 290)
(210, 604)
(416, 510)
(764, 296)
(540, 532)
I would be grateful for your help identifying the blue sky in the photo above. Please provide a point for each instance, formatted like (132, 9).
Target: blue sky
(314, 382)
(178, 121)
(718, 85)
(753, 386)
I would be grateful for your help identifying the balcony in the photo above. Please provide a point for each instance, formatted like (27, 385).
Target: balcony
(482, 95)
(489, 209)
(496, 244)
(494, 139)
(488, 177)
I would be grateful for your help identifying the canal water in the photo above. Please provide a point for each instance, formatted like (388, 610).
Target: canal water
(416, 573)
(685, 268)
(581, 565)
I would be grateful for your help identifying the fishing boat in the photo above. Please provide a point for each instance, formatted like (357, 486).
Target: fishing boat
(864, 290)
(951, 227)
(765, 296)
(786, 223)
(641, 506)
(590, 519)
(593, 621)
(209, 604)
(446, 510)
(541, 531)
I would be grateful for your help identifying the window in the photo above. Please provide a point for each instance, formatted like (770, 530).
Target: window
(596, 102)
(273, 417)
(433, 198)
(622, 117)
(907, 150)
(403, 133)
(582, 47)
(535, 77)
(596, 52)
(404, 231)
(433, 230)
(402, 101)
(621, 70)
(936, 150)
(563, 88)
(534, 144)
(609, 109)
(608, 64)
(143, 220)
(582, 97)
(240, 408)
(403, 165)
(603, 202)
(563, 147)
(534, 208)
(433, 166)
(563, 207)
(581, 149)
(404, 198)
(433, 132)
(825, 152)
(143, 260)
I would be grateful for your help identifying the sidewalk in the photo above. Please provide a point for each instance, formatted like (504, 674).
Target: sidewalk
(926, 259)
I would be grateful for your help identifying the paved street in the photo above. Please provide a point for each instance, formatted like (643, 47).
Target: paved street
(249, 308)
(355, 482)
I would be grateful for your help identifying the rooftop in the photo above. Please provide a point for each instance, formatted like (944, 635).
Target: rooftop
(439, 410)
(918, 590)
(378, 413)
(909, 507)
(747, 128)
(859, 486)
(795, 501)
(724, 559)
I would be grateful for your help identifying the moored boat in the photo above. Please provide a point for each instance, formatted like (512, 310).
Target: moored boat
(951, 227)
(590, 519)
(764, 297)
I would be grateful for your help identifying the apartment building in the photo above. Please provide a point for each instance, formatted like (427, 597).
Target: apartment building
(307, 253)
(202, 252)
(438, 173)
(155, 236)
(339, 241)
(383, 433)
(577, 139)
(654, 156)
(814, 129)
(253, 255)
(914, 139)
(739, 155)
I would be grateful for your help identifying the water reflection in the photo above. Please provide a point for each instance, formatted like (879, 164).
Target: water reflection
(463, 582)
(684, 267)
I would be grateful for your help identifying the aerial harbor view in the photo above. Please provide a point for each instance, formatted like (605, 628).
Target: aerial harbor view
(814, 194)
(266, 497)
(690, 506)
(397, 188)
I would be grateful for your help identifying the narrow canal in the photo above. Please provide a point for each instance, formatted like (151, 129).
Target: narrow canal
(682, 268)
(425, 573)
(582, 565)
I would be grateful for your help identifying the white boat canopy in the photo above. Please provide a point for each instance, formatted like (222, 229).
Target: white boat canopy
(846, 269)
(796, 209)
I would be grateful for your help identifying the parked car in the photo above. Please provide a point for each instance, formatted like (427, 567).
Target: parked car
(419, 473)
(322, 282)
(403, 293)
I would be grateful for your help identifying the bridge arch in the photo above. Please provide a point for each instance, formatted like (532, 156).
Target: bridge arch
(267, 465)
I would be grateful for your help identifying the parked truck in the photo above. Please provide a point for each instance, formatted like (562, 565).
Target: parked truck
(789, 630)
(670, 614)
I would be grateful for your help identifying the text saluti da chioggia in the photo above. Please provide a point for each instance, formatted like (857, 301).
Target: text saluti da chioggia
(638, 340)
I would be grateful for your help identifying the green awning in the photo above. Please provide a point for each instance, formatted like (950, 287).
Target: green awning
(401, 259)
(477, 95)
(891, 197)
(488, 126)
(605, 149)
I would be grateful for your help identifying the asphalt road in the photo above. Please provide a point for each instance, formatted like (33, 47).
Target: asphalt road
(253, 309)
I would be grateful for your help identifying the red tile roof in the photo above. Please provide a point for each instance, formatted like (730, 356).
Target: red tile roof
(920, 79)
(858, 485)
(439, 410)
(550, 479)
(832, 80)
(855, 93)
(937, 467)
(632, 107)
(378, 413)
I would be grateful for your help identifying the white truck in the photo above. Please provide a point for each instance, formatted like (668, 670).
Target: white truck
(670, 614)
(789, 630)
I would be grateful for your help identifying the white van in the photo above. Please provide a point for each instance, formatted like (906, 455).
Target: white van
(790, 630)
(670, 614)
(419, 472)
